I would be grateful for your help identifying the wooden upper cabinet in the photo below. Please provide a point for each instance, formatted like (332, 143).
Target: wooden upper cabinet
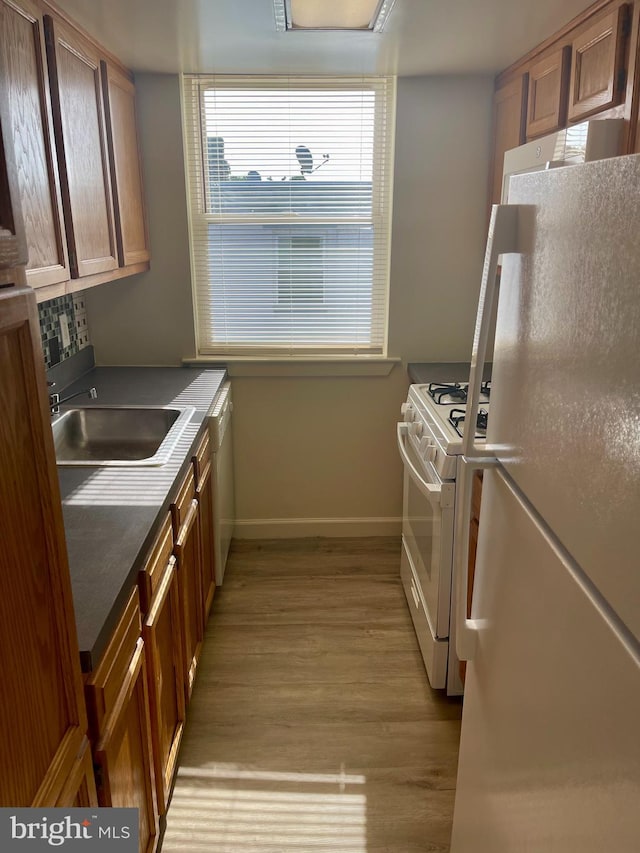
(548, 88)
(13, 246)
(24, 73)
(42, 715)
(78, 115)
(126, 172)
(597, 67)
(509, 117)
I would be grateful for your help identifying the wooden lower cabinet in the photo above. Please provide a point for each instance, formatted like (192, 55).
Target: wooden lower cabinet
(204, 495)
(80, 789)
(43, 723)
(162, 633)
(189, 555)
(120, 726)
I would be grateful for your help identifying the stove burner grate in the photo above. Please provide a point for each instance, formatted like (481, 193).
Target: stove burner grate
(457, 417)
(454, 391)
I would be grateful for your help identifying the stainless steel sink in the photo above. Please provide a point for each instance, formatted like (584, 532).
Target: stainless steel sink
(118, 435)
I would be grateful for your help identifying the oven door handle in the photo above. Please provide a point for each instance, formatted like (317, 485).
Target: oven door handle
(504, 237)
(466, 629)
(431, 491)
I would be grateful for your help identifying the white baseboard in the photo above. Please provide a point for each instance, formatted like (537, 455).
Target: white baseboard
(297, 528)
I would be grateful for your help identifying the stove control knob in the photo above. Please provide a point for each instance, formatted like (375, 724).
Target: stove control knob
(408, 413)
(416, 428)
(427, 449)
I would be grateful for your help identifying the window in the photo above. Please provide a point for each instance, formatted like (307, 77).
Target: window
(290, 193)
(300, 271)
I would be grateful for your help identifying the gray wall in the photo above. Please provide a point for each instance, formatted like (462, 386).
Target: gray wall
(317, 454)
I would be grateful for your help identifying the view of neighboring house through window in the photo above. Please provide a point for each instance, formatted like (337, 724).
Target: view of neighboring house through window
(289, 183)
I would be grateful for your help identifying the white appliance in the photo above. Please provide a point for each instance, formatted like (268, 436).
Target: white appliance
(550, 749)
(429, 440)
(223, 488)
(579, 143)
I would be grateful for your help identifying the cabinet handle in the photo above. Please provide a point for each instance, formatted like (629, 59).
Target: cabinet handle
(188, 524)
(162, 593)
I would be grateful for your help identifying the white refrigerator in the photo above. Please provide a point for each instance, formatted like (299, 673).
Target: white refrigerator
(550, 747)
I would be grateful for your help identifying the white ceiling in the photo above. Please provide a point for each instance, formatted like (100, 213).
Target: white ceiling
(239, 36)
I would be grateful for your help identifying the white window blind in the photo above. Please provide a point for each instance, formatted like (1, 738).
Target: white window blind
(289, 184)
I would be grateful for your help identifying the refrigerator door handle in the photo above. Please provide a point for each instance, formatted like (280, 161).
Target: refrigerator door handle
(466, 629)
(503, 238)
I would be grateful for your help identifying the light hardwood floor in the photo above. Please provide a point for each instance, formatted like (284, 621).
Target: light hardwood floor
(312, 725)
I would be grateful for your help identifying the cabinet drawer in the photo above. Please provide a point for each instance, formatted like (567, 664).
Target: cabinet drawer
(180, 506)
(151, 576)
(105, 683)
(202, 457)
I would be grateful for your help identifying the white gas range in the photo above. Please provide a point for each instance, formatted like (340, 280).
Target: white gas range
(438, 412)
(430, 440)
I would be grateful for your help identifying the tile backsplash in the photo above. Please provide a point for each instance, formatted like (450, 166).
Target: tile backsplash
(63, 327)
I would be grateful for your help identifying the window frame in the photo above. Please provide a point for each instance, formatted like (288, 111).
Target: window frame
(198, 194)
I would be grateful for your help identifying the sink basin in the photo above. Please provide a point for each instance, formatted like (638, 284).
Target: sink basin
(118, 435)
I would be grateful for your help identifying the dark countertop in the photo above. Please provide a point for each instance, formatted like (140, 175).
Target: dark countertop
(112, 515)
(458, 371)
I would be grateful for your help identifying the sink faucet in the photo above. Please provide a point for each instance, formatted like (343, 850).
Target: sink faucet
(55, 402)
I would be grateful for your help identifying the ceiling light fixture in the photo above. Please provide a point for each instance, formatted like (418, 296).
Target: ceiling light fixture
(360, 15)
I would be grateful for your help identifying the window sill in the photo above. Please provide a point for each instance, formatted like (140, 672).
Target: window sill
(321, 367)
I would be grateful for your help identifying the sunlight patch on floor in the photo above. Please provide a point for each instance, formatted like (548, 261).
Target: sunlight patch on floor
(226, 811)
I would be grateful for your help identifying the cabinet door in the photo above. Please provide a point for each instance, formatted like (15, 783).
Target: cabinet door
(123, 757)
(126, 172)
(548, 92)
(204, 494)
(189, 557)
(23, 70)
(42, 716)
(597, 67)
(13, 247)
(80, 789)
(76, 94)
(509, 115)
(161, 632)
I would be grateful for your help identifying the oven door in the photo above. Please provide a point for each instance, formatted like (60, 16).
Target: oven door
(427, 530)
